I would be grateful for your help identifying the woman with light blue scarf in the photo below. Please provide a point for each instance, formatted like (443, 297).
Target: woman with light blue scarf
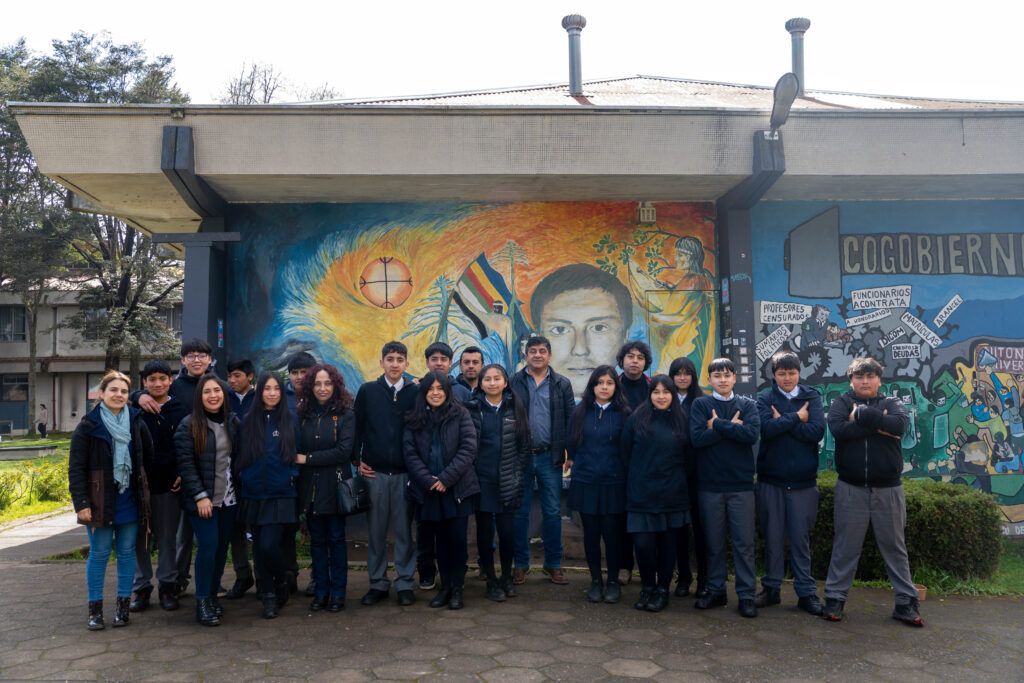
(107, 480)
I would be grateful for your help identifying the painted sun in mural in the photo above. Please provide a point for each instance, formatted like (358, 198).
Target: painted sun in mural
(386, 282)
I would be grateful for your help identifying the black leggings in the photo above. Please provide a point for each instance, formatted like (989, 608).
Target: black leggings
(267, 556)
(656, 557)
(486, 522)
(451, 544)
(612, 528)
(699, 546)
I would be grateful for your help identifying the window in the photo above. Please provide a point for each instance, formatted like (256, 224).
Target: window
(172, 317)
(12, 324)
(13, 387)
(93, 330)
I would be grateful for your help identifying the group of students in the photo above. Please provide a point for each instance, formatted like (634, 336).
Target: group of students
(652, 461)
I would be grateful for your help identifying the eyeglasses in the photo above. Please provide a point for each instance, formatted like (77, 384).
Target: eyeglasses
(196, 356)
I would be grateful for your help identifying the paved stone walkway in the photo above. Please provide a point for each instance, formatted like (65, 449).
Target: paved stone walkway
(549, 632)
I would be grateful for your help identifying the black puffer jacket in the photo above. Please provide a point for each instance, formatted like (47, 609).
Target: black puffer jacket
(198, 471)
(864, 455)
(561, 403)
(326, 440)
(458, 447)
(91, 469)
(514, 455)
(655, 465)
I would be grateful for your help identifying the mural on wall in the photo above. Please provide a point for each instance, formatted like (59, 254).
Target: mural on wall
(340, 280)
(930, 290)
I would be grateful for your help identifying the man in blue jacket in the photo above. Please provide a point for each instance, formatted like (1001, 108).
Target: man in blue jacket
(792, 424)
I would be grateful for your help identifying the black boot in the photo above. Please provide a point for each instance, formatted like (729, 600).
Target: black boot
(493, 590)
(140, 601)
(96, 615)
(658, 601)
(506, 582)
(243, 582)
(215, 604)
(455, 602)
(205, 613)
(644, 598)
(121, 611)
(168, 593)
(283, 593)
(269, 605)
(445, 592)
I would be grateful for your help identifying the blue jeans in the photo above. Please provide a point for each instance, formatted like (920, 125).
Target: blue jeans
(213, 536)
(549, 484)
(329, 554)
(121, 537)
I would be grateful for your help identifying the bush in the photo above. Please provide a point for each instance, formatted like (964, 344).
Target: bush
(950, 528)
(12, 487)
(51, 482)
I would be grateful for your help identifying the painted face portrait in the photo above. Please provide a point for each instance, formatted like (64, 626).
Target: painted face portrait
(585, 313)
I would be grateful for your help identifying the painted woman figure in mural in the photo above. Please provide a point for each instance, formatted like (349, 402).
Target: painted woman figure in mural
(586, 313)
(654, 443)
(684, 375)
(598, 487)
(206, 443)
(268, 471)
(108, 488)
(439, 446)
(327, 426)
(503, 438)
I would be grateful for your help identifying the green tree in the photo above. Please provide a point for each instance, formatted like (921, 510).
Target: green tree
(128, 278)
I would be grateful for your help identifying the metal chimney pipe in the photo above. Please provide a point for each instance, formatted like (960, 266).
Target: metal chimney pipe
(573, 24)
(797, 27)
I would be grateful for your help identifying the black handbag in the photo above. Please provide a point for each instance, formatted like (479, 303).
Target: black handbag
(353, 495)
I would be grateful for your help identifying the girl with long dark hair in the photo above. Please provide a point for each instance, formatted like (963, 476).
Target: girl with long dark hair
(439, 446)
(684, 375)
(327, 427)
(268, 474)
(503, 449)
(598, 487)
(107, 481)
(654, 443)
(205, 443)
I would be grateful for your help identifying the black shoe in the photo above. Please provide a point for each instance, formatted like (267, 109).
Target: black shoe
(168, 597)
(373, 596)
(283, 593)
(596, 592)
(218, 609)
(319, 603)
(493, 591)
(242, 584)
(710, 601)
(908, 613)
(443, 597)
(702, 590)
(455, 601)
(182, 584)
(311, 589)
(406, 598)
(811, 605)
(336, 604)
(682, 589)
(269, 605)
(834, 609)
(507, 587)
(205, 613)
(121, 613)
(767, 597)
(748, 608)
(140, 601)
(644, 598)
(96, 616)
(658, 601)
(612, 592)
(428, 583)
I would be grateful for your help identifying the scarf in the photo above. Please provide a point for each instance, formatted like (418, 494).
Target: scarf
(120, 430)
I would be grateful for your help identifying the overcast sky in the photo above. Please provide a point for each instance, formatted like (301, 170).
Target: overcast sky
(367, 49)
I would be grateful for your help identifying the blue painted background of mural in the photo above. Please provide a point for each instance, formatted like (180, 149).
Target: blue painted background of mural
(945, 321)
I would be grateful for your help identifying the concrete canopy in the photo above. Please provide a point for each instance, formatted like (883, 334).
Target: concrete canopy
(111, 155)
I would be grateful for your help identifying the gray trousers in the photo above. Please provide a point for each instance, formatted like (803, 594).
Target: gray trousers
(183, 545)
(165, 511)
(885, 509)
(389, 508)
(786, 512)
(732, 512)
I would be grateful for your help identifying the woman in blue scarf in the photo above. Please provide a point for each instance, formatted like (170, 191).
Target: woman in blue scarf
(107, 480)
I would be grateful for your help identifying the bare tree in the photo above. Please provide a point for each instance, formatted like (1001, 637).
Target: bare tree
(259, 83)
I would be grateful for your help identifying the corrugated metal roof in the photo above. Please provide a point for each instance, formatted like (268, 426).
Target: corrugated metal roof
(656, 91)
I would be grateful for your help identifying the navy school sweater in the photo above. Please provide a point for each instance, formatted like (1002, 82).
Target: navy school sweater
(380, 420)
(789, 447)
(596, 459)
(725, 454)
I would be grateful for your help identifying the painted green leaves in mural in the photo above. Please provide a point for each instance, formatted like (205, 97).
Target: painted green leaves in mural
(651, 241)
(434, 311)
